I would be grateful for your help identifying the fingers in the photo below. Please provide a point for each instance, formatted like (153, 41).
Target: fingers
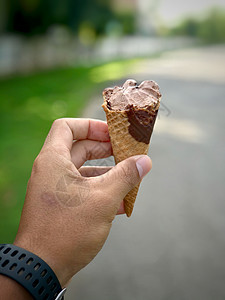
(88, 150)
(125, 176)
(88, 171)
(64, 131)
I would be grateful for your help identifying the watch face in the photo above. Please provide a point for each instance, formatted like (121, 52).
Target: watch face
(72, 191)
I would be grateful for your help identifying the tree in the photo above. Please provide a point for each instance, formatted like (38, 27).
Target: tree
(31, 17)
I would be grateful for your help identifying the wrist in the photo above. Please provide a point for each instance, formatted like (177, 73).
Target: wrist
(30, 271)
(12, 289)
(46, 254)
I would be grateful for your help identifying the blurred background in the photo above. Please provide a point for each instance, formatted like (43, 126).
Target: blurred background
(56, 57)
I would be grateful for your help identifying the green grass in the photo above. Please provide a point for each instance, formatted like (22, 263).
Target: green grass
(28, 105)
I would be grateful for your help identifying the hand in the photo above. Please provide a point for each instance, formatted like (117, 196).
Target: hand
(69, 208)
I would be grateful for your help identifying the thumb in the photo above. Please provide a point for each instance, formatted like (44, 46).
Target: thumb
(127, 174)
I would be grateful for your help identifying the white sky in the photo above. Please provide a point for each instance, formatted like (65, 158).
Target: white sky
(172, 10)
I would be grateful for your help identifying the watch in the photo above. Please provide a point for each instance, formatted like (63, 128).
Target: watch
(31, 272)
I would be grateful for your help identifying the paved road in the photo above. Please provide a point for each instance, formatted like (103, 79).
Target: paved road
(173, 247)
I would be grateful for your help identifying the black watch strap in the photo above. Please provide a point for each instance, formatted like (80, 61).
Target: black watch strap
(31, 272)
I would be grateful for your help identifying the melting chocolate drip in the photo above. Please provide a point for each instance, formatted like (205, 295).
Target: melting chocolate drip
(141, 123)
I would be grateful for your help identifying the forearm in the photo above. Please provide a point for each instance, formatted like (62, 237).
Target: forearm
(12, 290)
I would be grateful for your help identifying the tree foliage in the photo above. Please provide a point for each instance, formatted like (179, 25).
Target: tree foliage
(210, 29)
(31, 17)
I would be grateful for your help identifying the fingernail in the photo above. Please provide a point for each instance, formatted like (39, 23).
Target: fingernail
(143, 165)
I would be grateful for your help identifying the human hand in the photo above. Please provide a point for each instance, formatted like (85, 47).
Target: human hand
(69, 208)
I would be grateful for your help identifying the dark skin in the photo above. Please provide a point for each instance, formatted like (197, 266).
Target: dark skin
(69, 208)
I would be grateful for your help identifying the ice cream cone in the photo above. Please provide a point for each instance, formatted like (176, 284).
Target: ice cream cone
(127, 137)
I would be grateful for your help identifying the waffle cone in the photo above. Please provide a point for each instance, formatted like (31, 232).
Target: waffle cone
(124, 146)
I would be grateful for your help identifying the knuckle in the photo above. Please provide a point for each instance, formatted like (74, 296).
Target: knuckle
(42, 161)
(37, 165)
(59, 122)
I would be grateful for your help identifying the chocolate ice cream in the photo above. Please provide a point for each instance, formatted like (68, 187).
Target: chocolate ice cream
(141, 104)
